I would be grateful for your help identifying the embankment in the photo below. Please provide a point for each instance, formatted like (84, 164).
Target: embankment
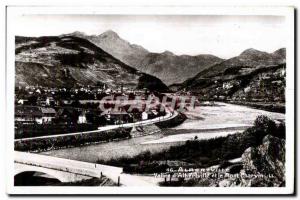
(177, 120)
(68, 141)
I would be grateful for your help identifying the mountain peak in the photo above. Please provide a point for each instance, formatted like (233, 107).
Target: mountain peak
(251, 51)
(280, 54)
(110, 33)
(254, 54)
(169, 53)
(281, 51)
(77, 33)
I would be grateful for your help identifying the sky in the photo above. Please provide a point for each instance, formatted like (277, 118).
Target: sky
(223, 36)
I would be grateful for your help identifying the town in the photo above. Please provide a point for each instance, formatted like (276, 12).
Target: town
(41, 111)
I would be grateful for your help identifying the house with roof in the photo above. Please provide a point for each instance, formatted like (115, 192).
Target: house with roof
(48, 114)
(120, 116)
(50, 101)
(82, 118)
(144, 115)
(34, 114)
(149, 114)
(22, 101)
(28, 114)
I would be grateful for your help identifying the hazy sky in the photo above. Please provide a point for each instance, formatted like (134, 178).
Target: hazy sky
(223, 36)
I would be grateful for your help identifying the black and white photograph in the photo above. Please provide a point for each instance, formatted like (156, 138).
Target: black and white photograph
(150, 101)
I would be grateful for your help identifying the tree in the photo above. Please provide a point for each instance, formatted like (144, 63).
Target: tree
(265, 124)
(32, 100)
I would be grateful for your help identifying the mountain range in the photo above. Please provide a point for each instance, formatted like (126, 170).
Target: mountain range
(67, 61)
(253, 75)
(168, 67)
(80, 59)
(247, 62)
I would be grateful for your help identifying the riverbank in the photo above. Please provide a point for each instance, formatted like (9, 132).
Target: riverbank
(25, 131)
(68, 141)
(271, 107)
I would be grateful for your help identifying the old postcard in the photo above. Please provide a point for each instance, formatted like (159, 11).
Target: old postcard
(150, 100)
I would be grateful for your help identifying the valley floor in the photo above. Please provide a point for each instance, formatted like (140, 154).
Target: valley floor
(205, 122)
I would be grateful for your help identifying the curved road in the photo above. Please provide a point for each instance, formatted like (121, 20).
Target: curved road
(170, 114)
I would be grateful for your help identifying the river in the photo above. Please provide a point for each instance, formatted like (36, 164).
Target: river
(203, 122)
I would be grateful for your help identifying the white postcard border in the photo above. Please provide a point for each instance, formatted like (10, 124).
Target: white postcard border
(288, 12)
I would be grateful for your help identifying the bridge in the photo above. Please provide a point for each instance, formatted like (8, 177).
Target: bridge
(66, 170)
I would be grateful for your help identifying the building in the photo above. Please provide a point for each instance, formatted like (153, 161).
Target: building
(117, 117)
(82, 118)
(50, 101)
(22, 101)
(144, 115)
(34, 114)
(149, 114)
(47, 115)
(28, 114)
